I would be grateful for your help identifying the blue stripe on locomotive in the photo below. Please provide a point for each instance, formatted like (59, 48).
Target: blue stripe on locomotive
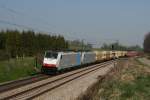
(78, 59)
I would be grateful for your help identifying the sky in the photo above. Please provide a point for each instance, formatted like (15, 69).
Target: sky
(94, 21)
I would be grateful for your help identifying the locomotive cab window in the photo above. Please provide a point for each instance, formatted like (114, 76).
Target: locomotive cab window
(52, 55)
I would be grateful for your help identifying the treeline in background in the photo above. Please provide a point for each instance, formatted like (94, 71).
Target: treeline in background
(120, 47)
(14, 43)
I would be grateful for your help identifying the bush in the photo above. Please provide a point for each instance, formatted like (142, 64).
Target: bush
(3, 55)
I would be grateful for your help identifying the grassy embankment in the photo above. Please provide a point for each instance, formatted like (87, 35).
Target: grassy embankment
(16, 68)
(129, 81)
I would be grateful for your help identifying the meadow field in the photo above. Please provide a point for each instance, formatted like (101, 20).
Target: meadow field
(17, 68)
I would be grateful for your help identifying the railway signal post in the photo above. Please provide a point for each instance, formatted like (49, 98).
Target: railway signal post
(114, 57)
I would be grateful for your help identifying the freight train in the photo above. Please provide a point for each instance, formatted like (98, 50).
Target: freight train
(57, 61)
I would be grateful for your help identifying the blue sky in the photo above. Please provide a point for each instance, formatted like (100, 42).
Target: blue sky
(95, 21)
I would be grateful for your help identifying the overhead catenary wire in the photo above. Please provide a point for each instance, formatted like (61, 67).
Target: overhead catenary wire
(15, 12)
(21, 14)
(27, 16)
(26, 27)
(10, 10)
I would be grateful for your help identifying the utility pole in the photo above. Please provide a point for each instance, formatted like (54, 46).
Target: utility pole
(82, 45)
(113, 51)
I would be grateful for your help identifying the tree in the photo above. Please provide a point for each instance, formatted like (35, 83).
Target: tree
(13, 42)
(146, 43)
(2, 40)
(28, 43)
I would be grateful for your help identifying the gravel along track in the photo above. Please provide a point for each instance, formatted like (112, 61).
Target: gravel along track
(73, 89)
(36, 89)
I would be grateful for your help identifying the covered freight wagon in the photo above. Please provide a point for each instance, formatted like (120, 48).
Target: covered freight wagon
(88, 57)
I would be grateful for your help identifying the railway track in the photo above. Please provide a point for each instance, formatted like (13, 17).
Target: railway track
(38, 88)
(18, 83)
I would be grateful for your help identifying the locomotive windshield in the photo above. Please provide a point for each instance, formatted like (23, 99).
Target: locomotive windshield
(52, 55)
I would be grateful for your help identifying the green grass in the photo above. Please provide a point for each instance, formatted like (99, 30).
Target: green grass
(135, 88)
(16, 68)
(132, 82)
(140, 62)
